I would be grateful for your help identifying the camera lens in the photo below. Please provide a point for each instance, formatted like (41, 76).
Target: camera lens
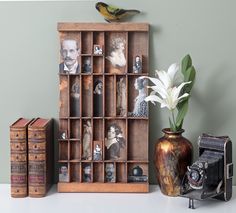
(194, 175)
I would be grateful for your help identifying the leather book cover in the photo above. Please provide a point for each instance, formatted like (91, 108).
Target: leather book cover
(18, 144)
(40, 157)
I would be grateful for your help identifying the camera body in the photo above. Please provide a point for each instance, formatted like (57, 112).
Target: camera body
(211, 175)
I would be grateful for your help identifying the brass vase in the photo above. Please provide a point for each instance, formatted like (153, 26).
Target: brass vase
(173, 153)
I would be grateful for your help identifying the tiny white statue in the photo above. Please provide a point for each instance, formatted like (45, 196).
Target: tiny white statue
(121, 97)
(87, 140)
(97, 153)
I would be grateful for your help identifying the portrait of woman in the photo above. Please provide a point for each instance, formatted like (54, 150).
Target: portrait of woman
(117, 55)
(140, 105)
(75, 99)
(97, 95)
(114, 142)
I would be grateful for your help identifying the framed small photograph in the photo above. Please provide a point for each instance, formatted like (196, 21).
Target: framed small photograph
(87, 173)
(86, 66)
(63, 174)
(110, 173)
(97, 49)
(137, 64)
(97, 151)
(63, 134)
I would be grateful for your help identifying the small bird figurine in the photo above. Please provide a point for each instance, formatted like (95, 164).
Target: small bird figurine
(113, 14)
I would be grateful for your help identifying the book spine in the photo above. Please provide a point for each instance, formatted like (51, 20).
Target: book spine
(18, 144)
(37, 162)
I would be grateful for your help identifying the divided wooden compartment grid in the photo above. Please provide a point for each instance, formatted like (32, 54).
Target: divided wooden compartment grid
(96, 114)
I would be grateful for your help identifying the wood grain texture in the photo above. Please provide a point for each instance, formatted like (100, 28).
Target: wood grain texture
(102, 26)
(103, 187)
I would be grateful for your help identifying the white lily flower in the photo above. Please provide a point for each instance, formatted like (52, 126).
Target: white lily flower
(168, 78)
(170, 98)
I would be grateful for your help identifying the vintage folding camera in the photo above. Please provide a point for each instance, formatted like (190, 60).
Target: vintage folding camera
(211, 175)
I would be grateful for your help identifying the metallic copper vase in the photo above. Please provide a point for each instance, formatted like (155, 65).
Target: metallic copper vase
(173, 153)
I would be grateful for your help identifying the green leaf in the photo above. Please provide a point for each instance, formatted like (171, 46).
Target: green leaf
(189, 76)
(181, 114)
(172, 127)
(186, 63)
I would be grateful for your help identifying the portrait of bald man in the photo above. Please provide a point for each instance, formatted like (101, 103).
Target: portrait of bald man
(69, 53)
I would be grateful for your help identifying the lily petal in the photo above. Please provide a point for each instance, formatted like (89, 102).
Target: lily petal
(172, 70)
(153, 98)
(164, 78)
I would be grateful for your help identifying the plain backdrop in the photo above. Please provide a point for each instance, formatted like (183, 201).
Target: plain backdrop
(29, 57)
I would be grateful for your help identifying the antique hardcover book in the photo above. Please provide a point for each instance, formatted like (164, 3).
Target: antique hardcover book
(18, 143)
(40, 154)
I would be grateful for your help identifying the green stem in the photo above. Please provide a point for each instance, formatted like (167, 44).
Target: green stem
(173, 118)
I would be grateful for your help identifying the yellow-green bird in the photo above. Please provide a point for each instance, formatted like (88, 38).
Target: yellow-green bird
(113, 14)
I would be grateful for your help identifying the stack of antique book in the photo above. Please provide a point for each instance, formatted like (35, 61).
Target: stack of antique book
(31, 157)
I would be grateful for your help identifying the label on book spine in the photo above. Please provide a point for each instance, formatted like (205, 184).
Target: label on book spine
(18, 168)
(18, 179)
(36, 179)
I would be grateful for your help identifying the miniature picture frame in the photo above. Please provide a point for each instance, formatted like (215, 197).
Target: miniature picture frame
(63, 174)
(63, 134)
(97, 49)
(137, 64)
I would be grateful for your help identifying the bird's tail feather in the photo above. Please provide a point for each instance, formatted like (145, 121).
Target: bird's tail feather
(133, 11)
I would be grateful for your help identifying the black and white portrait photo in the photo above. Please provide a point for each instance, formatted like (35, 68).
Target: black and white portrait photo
(140, 105)
(114, 142)
(117, 53)
(86, 67)
(97, 49)
(97, 98)
(75, 99)
(69, 53)
(63, 174)
(137, 67)
(97, 152)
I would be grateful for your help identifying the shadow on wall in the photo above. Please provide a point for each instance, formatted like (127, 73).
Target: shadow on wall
(154, 112)
(216, 104)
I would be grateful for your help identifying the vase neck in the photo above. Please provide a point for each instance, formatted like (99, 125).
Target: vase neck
(171, 134)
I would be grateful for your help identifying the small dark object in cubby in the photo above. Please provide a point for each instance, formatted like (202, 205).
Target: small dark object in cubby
(211, 175)
(137, 175)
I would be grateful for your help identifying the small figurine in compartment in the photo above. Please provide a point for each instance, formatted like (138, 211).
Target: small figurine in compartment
(97, 153)
(110, 173)
(117, 55)
(121, 97)
(63, 134)
(87, 140)
(97, 50)
(87, 173)
(114, 142)
(69, 52)
(63, 174)
(137, 175)
(86, 68)
(75, 99)
(97, 101)
(140, 105)
(137, 67)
